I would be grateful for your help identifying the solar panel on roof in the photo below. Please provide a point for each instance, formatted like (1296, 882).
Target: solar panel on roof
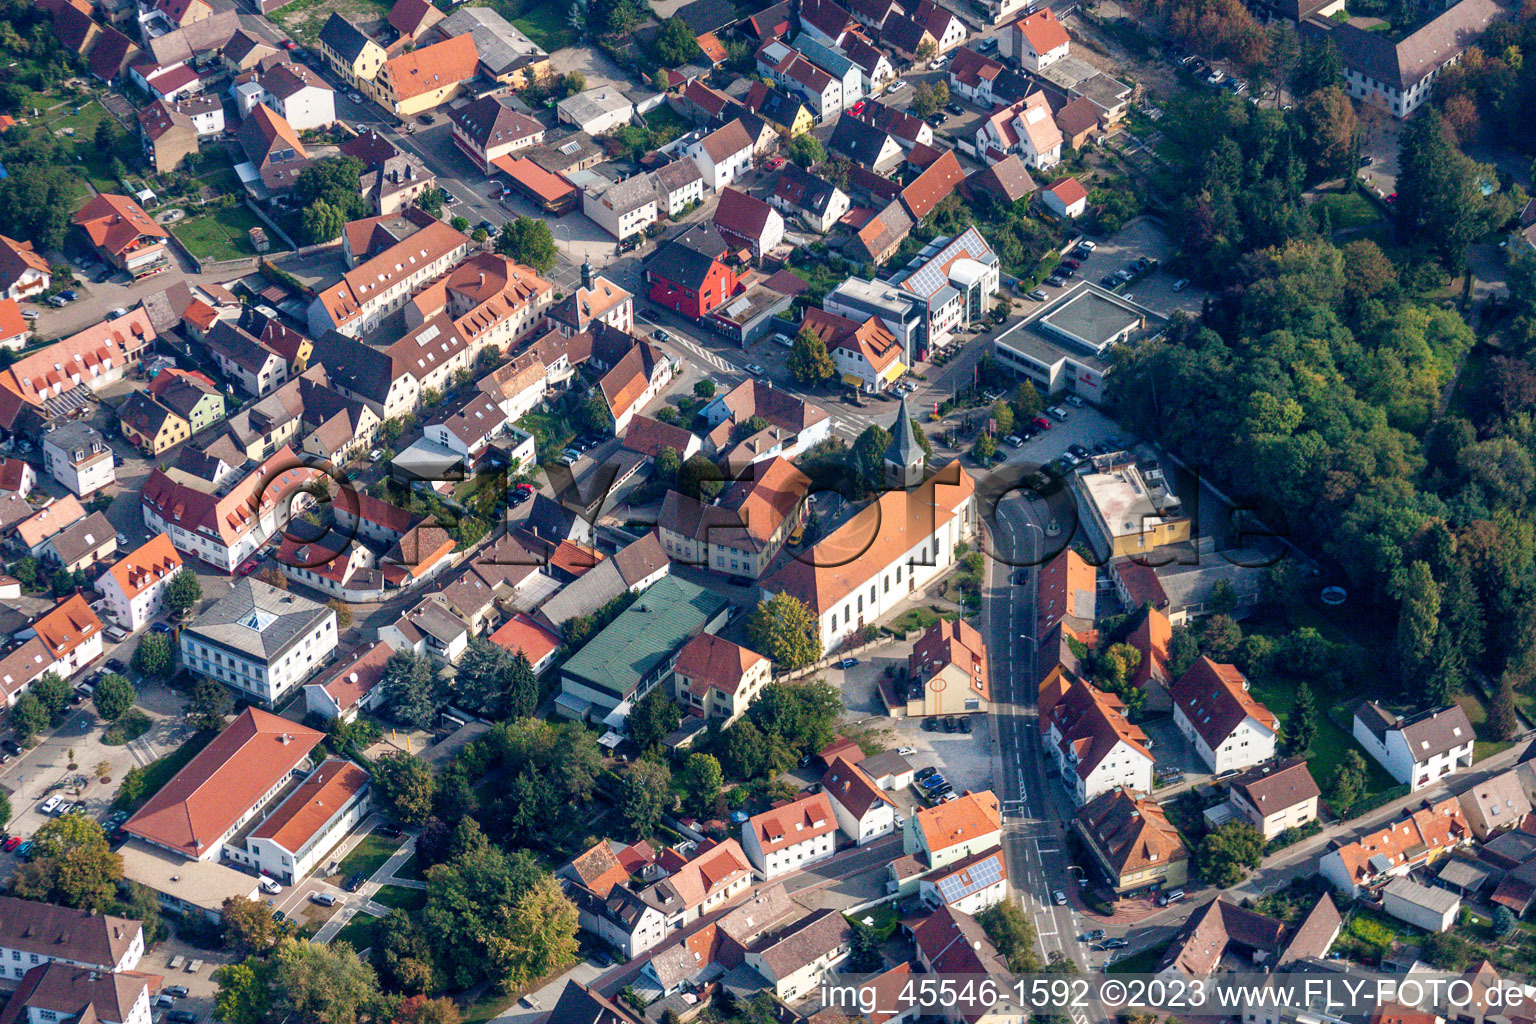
(963, 883)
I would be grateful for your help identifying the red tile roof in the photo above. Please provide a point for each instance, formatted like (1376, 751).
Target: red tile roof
(1215, 699)
(115, 223)
(795, 822)
(521, 633)
(70, 624)
(308, 808)
(433, 67)
(202, 802)
(146, 565)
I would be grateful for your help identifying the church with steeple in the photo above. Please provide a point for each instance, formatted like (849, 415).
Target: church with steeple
(905, 461)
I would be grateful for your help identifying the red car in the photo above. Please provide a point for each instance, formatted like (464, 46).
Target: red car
(247, 567)
(12, 843)
(1041, 422)
(288, 44)
(525, 487)
(857, 108)
(775, 163)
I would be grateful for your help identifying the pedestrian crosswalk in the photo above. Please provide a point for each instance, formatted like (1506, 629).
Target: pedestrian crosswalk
(713, 359)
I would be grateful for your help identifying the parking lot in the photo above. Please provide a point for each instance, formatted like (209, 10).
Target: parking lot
(1142, 238)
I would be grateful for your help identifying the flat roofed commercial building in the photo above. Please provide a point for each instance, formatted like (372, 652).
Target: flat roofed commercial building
(1129, 508)
(1066, 345)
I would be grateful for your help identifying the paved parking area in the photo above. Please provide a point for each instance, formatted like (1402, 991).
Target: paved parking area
(1141, 237)
(200, 985)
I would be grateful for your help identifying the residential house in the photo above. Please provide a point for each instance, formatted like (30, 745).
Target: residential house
(77, 456)
(621, 208)
(906, 128)
(468, 426)
(39, 934)
(1078, 119)
(1214, 711)
(955, 830)
(819, 204)
(948, 667)
(875, 70)
(788, 113)
(1275, 796)
(880, 238)
(745, 220)
(1039, 40)
(1419, 837)
(423, 79)
(507, 56)
(791, 837)
(1222, 933)
(15, 329)
(596, 300)
(971, 75)
(168, 135)
(384, 283)
(522, 635)
(1418, 750)
(487, 129)
(969, 886)
(1026, 127)
(688, 281)
(134, 587)
(1095, 747)
(825, 20)
(866, 355)
(884, 555)
(679, 186)
(596, 111)
(80, 547)
(865, 145)
(741, 533)
(722, 156)
(716, 679)
(902, 313)
(412, 18)
(1065, 197)
(23, 271)
(937, 182)
(519, 386)
(34, 530)
(17, 477)
(1131, 842)
(797, 960)
(243, 359)
(57, 991)
(189, 395)
(71, 636)
(294, 92)
(260, 640)
(794, 425)
(124, 235)
(579, 1004)
(1151, 638)
(1499, 803)
(864, 813)
(272, 148)
(635, 381)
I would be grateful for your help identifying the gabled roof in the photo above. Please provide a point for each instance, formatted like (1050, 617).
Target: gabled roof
(631, 375)
(579, 1004)
(828, 17)
(885, 229)
(1199, 946)
(859, 141)
(266, 135)
(707, 15)
(70, 624)
(804, 190)
(1043, 31)
(681, 265)
(847, 783)
(743, 215)
(955, 643)
(1215, 699)
(16, 258)
(726, 141)
(306, 810)
(53, 931)
(599, 869)
(432, 67)
(796, 822)
(355, 674)
(712, 662)
(1091, 724)
(412, 17)
(114, 223)
(1066, 590)
(202, 802)
(959, 821)
(489, 123)
(1276, 785)
(931, 187)
(344, 38)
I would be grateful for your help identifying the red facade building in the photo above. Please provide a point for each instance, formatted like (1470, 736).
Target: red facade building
(689, 281)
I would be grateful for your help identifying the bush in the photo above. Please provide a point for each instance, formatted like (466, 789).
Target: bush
(133, 724)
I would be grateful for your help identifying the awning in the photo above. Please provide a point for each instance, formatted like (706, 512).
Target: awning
(897, 369)
(852, 381)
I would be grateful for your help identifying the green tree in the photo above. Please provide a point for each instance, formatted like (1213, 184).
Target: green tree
(244, 993)
(702, 779)
(1418, 624)
(865, 957)
(809, 361)
(1026, 401)
(114, 695)
(596, 416)
(984, 448)
(1301, 723)
(1013, 936)
(1228, 852)
(675, 44)
(700, 478)
(480, 673)
(1503, 921)
(1329, 128)
(653, 718)
(405, 785)
(784, 629)
(645, 794)
(321, 222)
(29, 717)
(704, 388)
(494, 916)
(183, 592)
(519, 688)
(528, 241)
(867, 456)
(414, 692)
(1440, 201)
(802, 715)
(1503, 720)
(318, 982)
(806, 150)
(208, 704)
(1002, 412)
(431, 200)
(71, 865)
(1348, 782)
(54, 694)
(25, 569)
(247, 925)
(334, 181)
(924, 102)
(420, 1009)
(155, 656)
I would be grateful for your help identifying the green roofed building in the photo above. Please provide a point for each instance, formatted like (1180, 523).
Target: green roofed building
(627, 659)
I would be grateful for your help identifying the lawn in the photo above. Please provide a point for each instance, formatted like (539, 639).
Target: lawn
(157, 773)
(303, 19)
(1328, 746)
(913, 618)
(1144, 962)
(220, 234)
(1346, 210)
(410, 869)
(1368, 936)
(359, 931)
(369, 855)
(401, 897)
(491, 1004)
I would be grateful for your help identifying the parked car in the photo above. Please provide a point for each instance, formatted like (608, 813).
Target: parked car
(1181, 284)
(175, 991)
(1114, 944)
(355, 881)
(52, 805)
(12, 843)
(1170, 896)
(1037, 295)
(10, 747)
(755, 370)
(1058, 412)
(1093, 936)
(933, 781)
(247, 567)
(270, 886)
(1015, 440)
(951, 723)
(775, 163)
(905, 751)
(324, 899)
(1055, 280)
(848, 663)
(1070, 264)
(1041, 422)
(1059, 898)
(183, 1016)
(69, 295)
(1075, 401)
(965, 723)
(115, 665)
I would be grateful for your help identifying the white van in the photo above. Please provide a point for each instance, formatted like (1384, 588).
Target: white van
(270, 886)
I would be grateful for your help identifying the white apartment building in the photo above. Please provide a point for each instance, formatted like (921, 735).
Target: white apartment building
(621, 208)
(77, 456)
(134, 588)
(1096, 749)
(1418, 750)
(302, 830)
(33, 934)
(1214, 711)
(950, 832)
(260, 640)
(372, 290)
(791, 837)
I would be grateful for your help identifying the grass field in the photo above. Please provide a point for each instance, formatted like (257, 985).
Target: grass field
(359, 932)
(157, 773)
(303, 19)
(369, 855)
(220, 234)
(1328, 746)
(1346, 210)
(400, 897)
(1144, 962)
